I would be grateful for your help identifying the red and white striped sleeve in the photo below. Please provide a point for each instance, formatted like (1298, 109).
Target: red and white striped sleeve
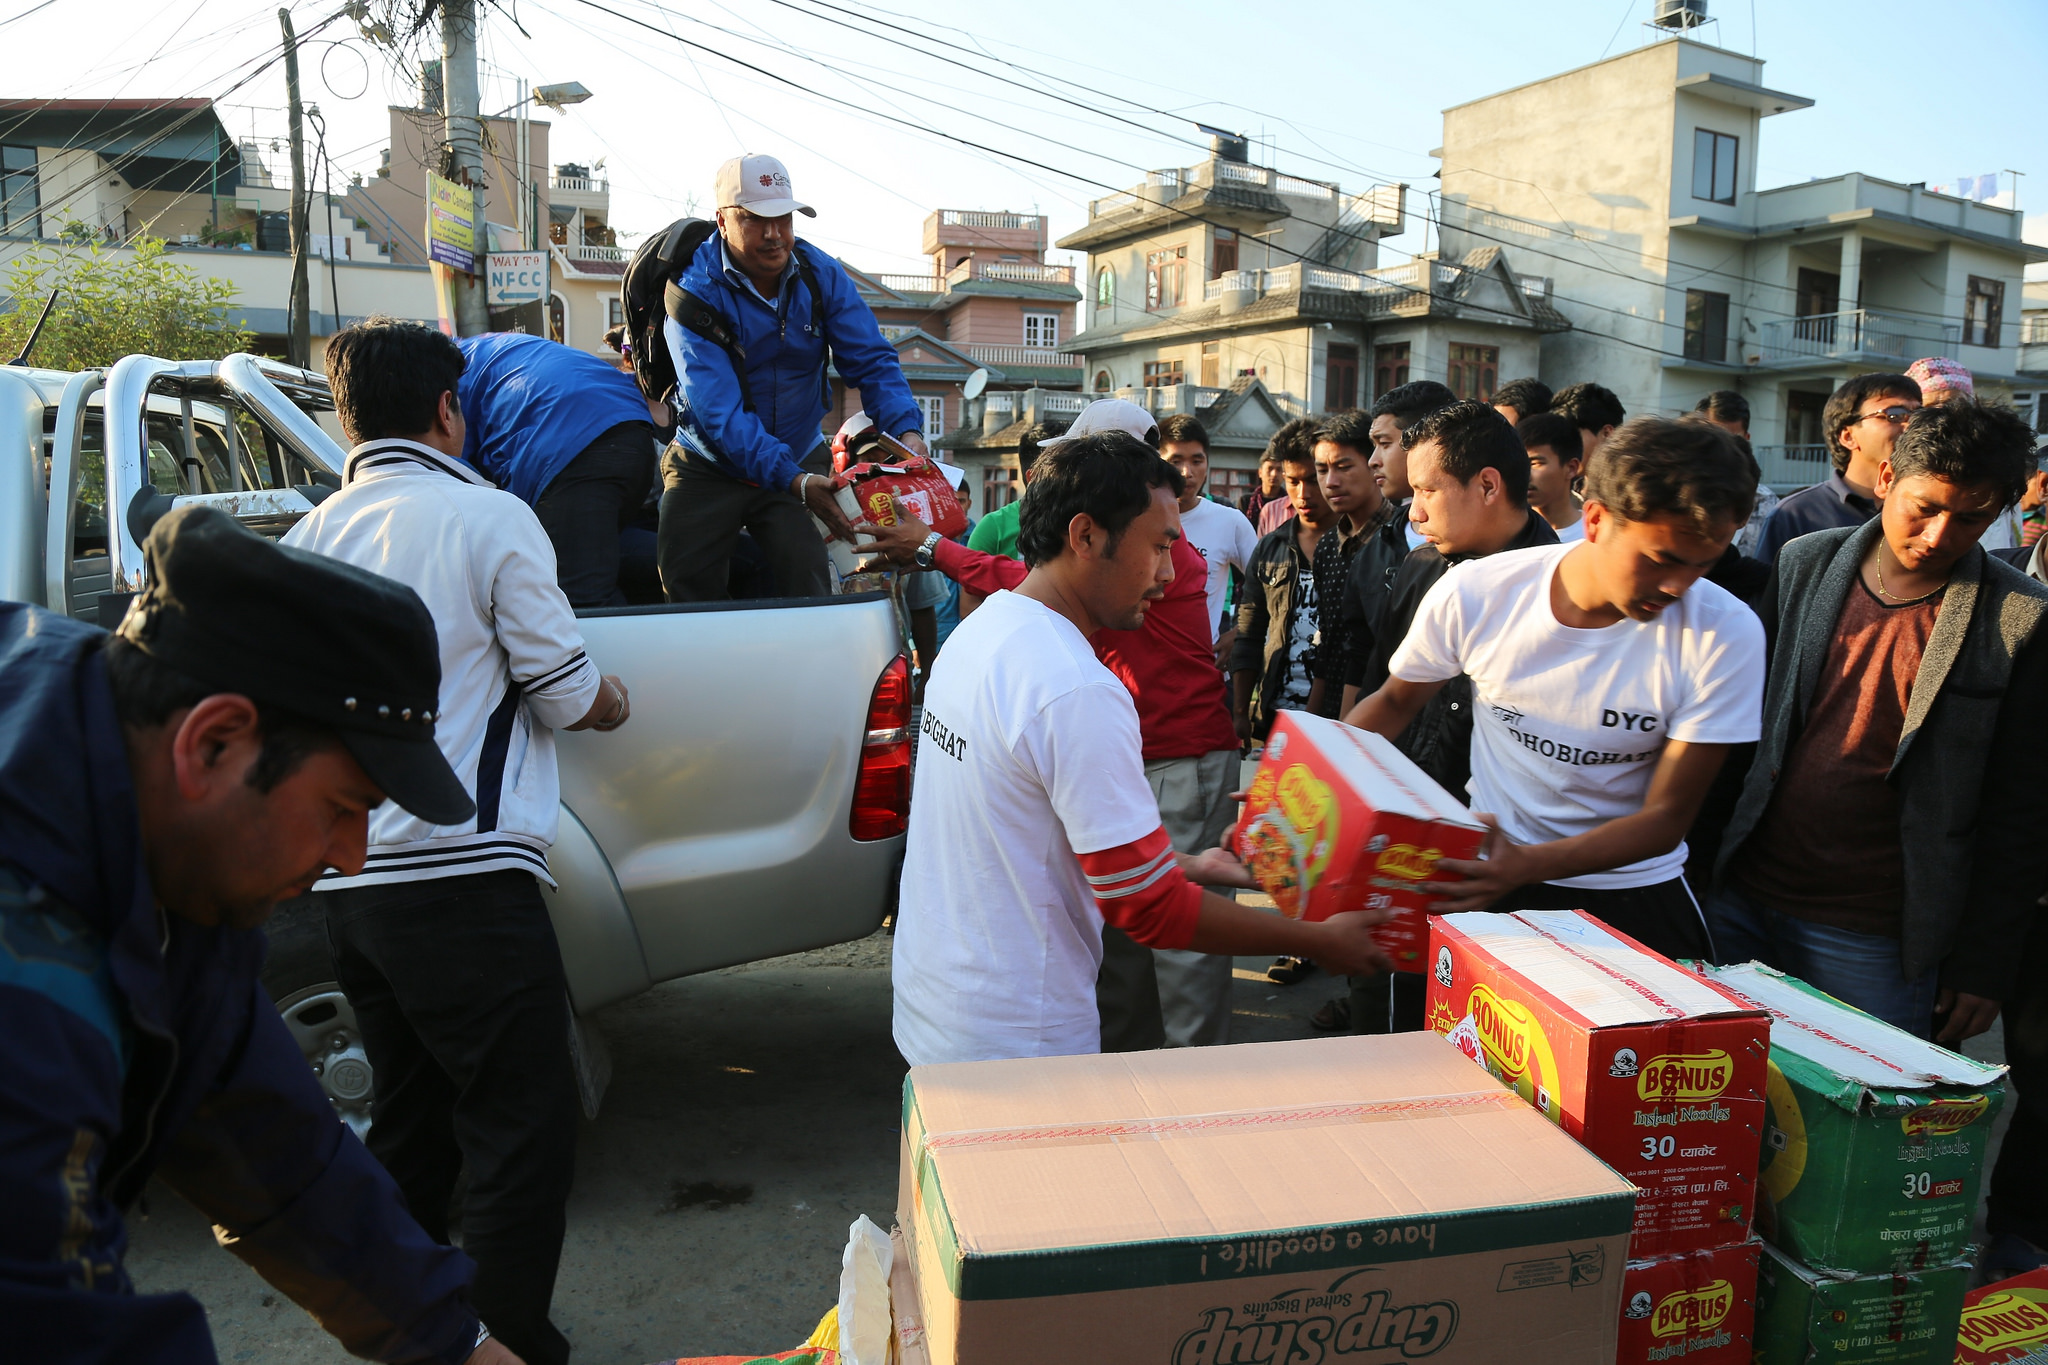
(1141, 890)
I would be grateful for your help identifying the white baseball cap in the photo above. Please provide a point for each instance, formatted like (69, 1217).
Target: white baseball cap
(1110, 414)
(758, 184)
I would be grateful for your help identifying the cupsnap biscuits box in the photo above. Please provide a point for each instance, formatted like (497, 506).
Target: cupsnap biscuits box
(1805, 1315)
(1369, 1199)
(1658, 1071)
(1874, 1140)
(1338, 819)
(2005, 1323)
(1700, 1307)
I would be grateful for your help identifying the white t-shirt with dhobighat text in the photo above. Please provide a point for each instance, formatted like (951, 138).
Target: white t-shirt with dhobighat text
(1568, 723)
(1030, 755)
(1226, 540)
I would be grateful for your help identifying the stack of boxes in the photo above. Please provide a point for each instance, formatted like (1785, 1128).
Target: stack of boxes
(1658, 1072)
(1873, 1151)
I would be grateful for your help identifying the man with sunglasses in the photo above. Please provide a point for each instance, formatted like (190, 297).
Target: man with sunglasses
(1861, 421)
(751, 391)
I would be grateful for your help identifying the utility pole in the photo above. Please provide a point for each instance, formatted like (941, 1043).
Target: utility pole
(301, 342)
(464, 122)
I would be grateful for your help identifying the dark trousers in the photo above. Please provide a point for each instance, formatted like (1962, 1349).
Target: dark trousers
(585, 507)
(703, 511)
(458, 989)
(1127, 995)
(1388, 1003)
(2018, 1205)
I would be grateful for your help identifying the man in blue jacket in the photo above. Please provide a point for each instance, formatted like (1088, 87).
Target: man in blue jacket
(161, 791)
(568, 434)
(749, 451)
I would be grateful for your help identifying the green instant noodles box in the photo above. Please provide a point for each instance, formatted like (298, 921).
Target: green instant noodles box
(1804, 1315)
(1873, 1144)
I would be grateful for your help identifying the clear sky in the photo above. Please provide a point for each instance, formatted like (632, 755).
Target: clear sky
(1093, 92)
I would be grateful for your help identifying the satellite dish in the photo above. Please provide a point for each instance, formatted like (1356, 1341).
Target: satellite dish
(976, 382)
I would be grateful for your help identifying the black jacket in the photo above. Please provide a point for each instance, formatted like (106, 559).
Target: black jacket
(1439, 739)
(1266, 610)
(1970, 756)
(1364, 595)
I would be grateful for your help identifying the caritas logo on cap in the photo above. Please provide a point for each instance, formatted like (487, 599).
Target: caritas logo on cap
(759, 184)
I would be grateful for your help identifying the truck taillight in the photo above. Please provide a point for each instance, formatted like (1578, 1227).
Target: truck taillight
(881, 792)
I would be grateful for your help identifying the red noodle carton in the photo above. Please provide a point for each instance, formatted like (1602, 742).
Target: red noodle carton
(1656, 1070)
(917, 484)
(1700, 1308)
(2005, 1323)
(1338, 819)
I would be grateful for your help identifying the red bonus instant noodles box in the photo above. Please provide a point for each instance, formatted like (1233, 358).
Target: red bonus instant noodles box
(1338, 819)
(864, 494)
(1700, 1308)
(1659, 1072)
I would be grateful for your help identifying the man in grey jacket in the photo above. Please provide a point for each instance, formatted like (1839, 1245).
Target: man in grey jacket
(1887, 845)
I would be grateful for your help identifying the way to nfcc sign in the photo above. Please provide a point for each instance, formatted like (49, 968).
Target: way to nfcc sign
(516, 277)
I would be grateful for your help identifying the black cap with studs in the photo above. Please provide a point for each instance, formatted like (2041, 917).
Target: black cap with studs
(308, 634)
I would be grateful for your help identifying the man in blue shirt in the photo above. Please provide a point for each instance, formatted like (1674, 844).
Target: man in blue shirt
(567, 433)
(749, 451)
(1861, 421)
(161, 790)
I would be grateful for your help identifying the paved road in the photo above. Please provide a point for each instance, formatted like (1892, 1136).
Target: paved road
(752, 1114)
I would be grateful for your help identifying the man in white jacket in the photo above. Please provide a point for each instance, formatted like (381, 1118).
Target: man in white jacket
(442, 941)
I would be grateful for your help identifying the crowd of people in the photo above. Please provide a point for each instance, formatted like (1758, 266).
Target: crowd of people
(1821, 753)
(1729, 726)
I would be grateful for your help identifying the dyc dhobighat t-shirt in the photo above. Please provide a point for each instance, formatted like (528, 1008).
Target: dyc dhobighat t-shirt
(1030, 755)
(1568, 723)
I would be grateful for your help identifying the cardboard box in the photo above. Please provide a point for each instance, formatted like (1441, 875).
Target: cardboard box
(1338, 819)
(1657, 1071)
(2005, 1323)
(1361, 1198)
(864, 494)
(1700, 1308)
(1804, 1315)
(1874, 1141)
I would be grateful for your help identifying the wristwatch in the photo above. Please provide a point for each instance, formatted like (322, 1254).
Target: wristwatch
(923, 557)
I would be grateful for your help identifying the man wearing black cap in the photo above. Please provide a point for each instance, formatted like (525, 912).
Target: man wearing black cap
(441, 939)
(160, 792)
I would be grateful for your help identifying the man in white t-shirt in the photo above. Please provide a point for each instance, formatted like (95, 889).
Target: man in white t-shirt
(1608, 684)
(1031, 821)
(1220, 533)
(1555, 464)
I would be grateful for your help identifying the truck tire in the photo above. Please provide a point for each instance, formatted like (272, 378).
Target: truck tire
(300, 976)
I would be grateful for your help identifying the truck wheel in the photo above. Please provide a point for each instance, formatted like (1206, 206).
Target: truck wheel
(300, 978)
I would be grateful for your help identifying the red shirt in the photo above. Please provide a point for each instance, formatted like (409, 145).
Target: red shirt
(1167, 663)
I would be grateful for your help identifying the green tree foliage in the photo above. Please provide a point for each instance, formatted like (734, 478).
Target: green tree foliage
(114, 303)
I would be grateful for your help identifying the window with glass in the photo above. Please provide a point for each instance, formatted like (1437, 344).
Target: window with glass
(1706, 325)
(1389, 368)
(1713, 166)
(614, 312)
(20, 196)
(1162, 374)
(1983, 311)
(1166, 278)
(998, 488)
(1229, 486)
(1475, 371)
(1103, 383)
(1105, 288)
(1212, 363)
(1042, 329)
(934, 408)
(1224, 257)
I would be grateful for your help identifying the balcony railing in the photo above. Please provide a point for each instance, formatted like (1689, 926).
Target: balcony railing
(1788, 467)
(579, 254)
(1856, 334)
(581, 184)
(1009, 222)
(1015, 272)
(909, 284)
(1231, 282)
(1003, 357)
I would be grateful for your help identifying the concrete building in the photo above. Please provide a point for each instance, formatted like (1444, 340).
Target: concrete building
(1249, 297)
(568, 212)
(108, 171)
(1631, 184)
(990, 303)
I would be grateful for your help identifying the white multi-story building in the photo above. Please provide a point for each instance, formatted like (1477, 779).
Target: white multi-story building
(1631, 184)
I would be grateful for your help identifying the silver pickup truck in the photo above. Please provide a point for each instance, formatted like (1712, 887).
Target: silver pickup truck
(754, 805)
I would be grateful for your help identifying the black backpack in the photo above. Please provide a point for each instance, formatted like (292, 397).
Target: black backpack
(652, 294)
